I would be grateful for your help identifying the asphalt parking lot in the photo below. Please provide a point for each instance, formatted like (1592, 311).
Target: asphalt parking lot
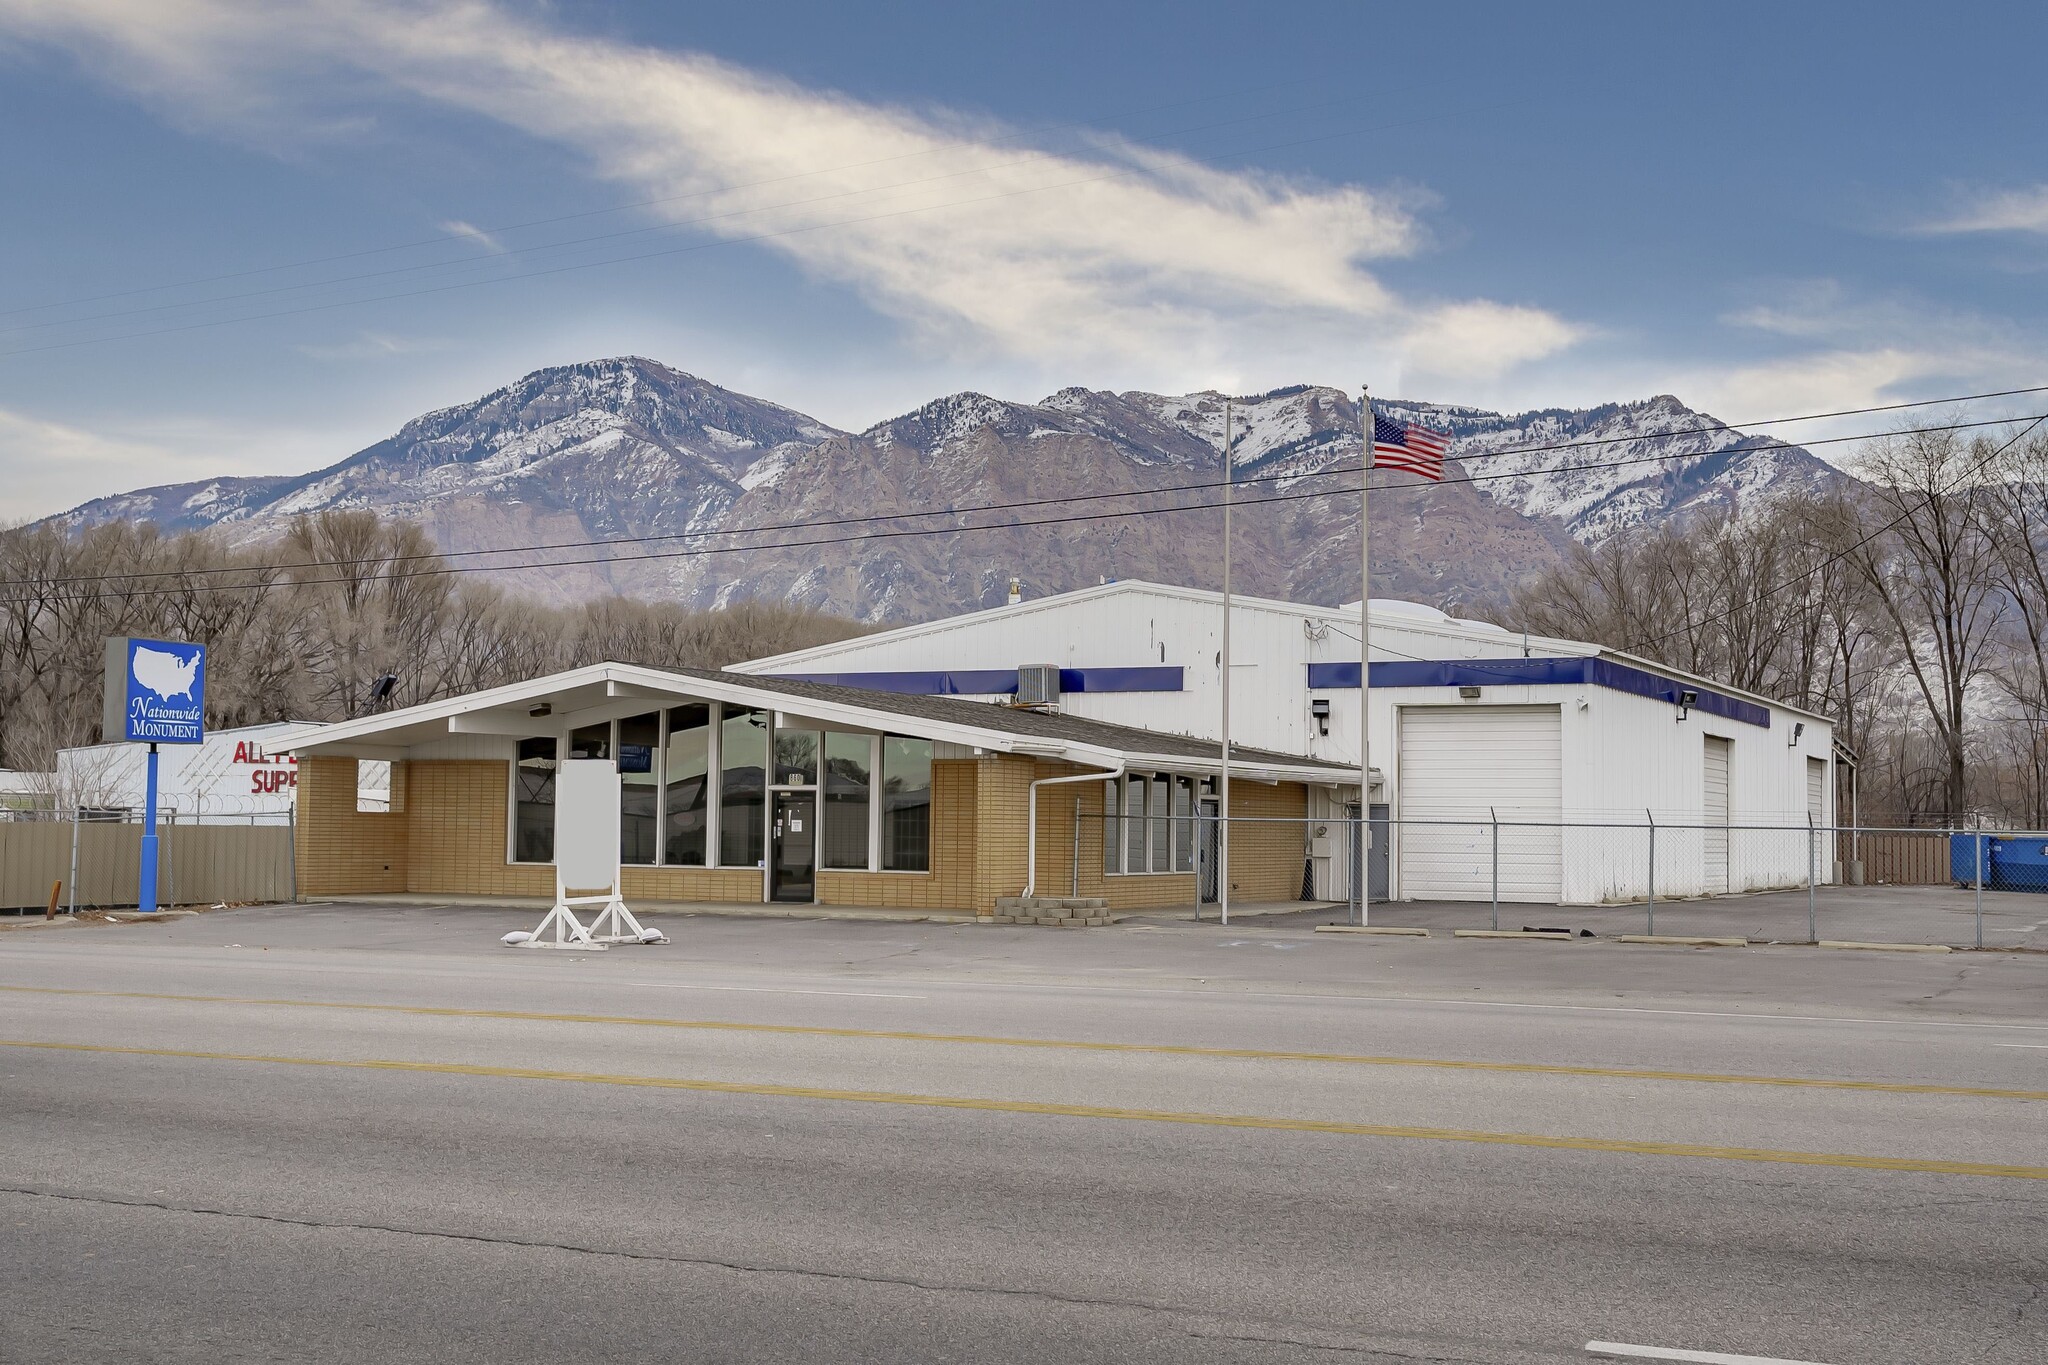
(347, 1132)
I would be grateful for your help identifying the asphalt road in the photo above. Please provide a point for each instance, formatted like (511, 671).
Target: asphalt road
(370, 1134)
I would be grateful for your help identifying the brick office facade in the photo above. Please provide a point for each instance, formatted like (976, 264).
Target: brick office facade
(446, 826)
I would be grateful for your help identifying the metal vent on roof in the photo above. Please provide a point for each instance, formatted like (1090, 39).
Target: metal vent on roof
(1038, 685)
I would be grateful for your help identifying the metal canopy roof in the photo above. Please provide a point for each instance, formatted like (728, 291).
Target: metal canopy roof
(605, 691)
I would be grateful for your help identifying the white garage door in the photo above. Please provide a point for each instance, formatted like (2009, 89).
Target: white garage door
(1714, 804)
(1456, 762)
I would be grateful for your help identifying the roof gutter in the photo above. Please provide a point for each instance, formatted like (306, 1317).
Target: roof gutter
(1031, 817)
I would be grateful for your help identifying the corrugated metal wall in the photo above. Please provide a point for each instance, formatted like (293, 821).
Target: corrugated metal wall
(198, 864)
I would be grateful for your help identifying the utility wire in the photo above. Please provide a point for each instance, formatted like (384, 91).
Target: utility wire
(445, 569)
(479, 233)
(1346, 468)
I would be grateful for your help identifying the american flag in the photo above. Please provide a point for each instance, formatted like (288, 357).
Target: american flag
(1405, 446)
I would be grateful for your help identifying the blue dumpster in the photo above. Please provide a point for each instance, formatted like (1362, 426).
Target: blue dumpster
(1962, 859)
(2016, 864)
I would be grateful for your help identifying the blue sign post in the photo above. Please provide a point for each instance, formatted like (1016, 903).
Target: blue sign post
(155, 694)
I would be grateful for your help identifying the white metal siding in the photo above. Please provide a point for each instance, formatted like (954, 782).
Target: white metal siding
(1469, 763)
(1714, 815)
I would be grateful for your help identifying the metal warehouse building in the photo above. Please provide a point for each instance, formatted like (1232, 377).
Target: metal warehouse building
(1573, 748)
(739, 789)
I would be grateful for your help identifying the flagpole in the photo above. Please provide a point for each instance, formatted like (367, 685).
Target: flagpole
(1364, 869)
(1223, 786)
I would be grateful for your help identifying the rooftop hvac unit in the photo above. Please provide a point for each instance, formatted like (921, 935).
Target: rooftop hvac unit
(1038, 685)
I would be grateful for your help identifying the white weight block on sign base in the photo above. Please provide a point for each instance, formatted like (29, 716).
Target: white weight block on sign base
(586, 858)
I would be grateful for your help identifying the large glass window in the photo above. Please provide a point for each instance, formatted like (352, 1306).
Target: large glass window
(906, 804)
(685, 772)
(533, 802)
(1134, 823)
(847, 760)
(796, 758)
(1111, 838)
(1183, 825)
(591, 741)
(743, 786)
(639, 787)
(1160, 807)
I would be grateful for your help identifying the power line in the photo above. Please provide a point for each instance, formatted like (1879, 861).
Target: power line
(727, 241)
(476, 233)
(444, 569)
(1346, 468)
(1847, 550)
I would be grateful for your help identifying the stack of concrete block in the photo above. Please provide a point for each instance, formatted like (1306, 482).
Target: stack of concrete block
(1058, 912)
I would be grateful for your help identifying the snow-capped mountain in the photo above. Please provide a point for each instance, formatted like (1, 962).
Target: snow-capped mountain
(630, 448)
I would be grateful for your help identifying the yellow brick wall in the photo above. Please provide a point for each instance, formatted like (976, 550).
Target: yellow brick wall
(341, 850)
(1266, 860)
(451, 840)
(950, 883)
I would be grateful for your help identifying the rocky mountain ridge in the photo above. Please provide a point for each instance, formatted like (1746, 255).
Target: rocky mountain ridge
(730, 496)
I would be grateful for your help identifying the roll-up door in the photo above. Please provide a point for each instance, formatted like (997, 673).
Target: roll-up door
(1714, 815)
(1816, 790)
(1457, 764)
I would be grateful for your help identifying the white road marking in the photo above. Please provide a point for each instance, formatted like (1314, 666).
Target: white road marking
(1614, 1350)
(2041, 1047)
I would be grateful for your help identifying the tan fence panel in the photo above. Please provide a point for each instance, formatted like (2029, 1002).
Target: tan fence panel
(1900, 857)
(197, 864)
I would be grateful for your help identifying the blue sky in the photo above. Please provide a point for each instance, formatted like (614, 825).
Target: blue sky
(1766, 209)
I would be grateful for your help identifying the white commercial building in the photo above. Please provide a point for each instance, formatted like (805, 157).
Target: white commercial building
(233, 775)
(1572, 749)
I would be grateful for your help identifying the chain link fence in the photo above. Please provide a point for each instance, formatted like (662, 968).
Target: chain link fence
(1783, 882)
(90, 857)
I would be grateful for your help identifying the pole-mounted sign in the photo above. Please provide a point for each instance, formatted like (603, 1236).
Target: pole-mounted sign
(155, 693)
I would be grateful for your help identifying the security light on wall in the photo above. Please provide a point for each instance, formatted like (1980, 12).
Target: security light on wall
(1687, 699)
(1798, 729)
(1319, 707)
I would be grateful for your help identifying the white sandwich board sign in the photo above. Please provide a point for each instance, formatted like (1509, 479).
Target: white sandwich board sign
(587, 864)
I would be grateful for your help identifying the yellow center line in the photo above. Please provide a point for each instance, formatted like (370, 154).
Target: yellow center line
(1068, 1045)
(1094, 1111)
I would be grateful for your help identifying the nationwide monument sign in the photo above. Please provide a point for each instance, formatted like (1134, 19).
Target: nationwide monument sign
(155, 692)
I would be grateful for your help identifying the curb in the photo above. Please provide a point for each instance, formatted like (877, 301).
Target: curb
(1509, 933)
(1886, 947)
(1371, 929)
(138, 917)
(1685, 941)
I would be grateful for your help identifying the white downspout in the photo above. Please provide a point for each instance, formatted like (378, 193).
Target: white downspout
(1031, 818)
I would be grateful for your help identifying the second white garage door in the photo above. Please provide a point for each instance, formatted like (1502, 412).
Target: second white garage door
(1456, 762)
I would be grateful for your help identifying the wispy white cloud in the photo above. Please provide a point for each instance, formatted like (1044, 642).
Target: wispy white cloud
(2014, 210)
(372, 346)
(53, 465)
(455, 227)
(1101, 259)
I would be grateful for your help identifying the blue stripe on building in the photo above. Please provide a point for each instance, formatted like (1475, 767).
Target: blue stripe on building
(984, 682)
(1537, 672)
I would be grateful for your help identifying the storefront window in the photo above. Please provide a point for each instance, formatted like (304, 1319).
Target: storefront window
(1162, 839)
(639, 788)
(906, 804)
(1183, 825)
(533, 797)
(796, 758)
(1134, 823)
(743, 786)
(847, 762)
(686, 768)
(591, 741)
(1111, 839)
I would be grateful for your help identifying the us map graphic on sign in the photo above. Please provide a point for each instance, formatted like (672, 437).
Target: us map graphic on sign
(166, 692)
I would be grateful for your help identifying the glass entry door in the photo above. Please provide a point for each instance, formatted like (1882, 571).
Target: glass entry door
(793, 859)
